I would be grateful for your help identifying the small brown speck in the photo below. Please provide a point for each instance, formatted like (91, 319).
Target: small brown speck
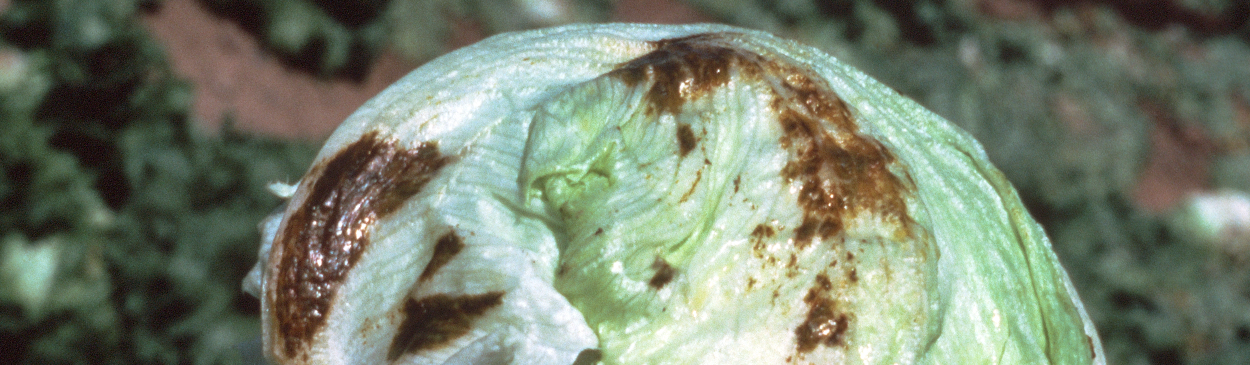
(763, 231)
(663, 273)
(823, 283)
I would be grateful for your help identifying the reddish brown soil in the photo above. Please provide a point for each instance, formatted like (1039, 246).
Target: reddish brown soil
(1178, 164)
(234, 76)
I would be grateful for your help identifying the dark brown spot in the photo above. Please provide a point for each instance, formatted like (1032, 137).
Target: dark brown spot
(323, 238)
(825, 325)
(839, 172)
(437, 320)
(663, 273)
(823, 283)
(763, 231)
(1090, 341)
(446, 248)
(737, 182)
(852, 276)
(683, 69)
(685, 139)
(599, 231)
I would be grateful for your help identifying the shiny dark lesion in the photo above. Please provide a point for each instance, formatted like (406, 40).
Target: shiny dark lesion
(825, 324)
(686, 68)
(839, 172)
(435, 321)
(686, 140)
(323, 239)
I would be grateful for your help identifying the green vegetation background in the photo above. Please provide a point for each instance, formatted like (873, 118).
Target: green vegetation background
(124, 234)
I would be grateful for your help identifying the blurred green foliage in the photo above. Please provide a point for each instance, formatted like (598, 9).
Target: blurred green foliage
(136, 230)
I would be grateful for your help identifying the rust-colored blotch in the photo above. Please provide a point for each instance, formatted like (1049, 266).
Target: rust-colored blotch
(837, 177)
(825, 324)
(684, 69)
(838, 172)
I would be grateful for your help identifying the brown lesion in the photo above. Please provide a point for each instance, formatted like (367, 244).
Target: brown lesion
(447, 247)
(685, 139)
(762, 232)
(825, 324)
(1089, 341)
(686, 68)
(698, 175)
(323, 238)
(588, 357)
(437, 320)
(840, 173)
(759, 235)
(664, 273)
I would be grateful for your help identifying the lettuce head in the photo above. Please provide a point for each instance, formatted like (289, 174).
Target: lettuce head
(643, 194)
